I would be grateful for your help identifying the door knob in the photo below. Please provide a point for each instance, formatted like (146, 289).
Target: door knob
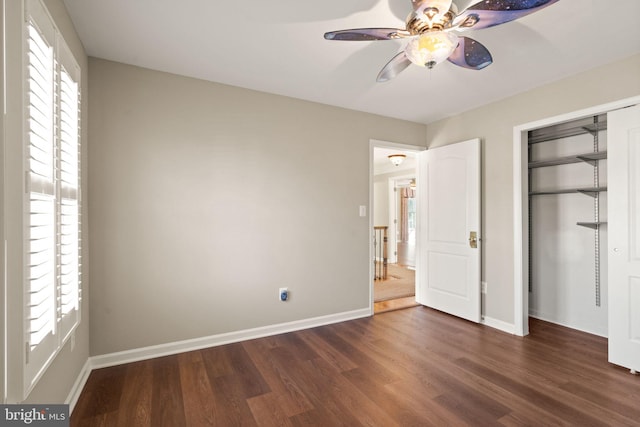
(473, 239)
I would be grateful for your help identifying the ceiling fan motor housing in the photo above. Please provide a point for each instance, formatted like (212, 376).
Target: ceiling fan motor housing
(425, 19)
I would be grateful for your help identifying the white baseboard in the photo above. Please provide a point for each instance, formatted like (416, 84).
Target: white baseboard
(509, 328)
(78, 386)
(144, 353)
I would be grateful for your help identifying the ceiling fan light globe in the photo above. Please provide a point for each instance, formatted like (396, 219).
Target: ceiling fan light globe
(431, 48)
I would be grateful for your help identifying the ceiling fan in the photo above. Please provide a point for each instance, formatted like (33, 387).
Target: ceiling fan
(432, 29)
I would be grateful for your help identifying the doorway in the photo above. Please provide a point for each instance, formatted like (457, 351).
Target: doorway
(393, 219)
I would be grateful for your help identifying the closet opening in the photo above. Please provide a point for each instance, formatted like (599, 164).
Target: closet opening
(567, 226)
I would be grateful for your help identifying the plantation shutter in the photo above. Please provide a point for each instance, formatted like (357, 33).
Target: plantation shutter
(52, 205)
(69, 188)
(41, 311)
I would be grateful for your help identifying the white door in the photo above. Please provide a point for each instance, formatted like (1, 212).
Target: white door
(623, 158)
(448, 257)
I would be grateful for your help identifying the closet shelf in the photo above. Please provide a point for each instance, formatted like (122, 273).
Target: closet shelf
(590, 125)
(588, 158)
(593, 225)
(588, 191)
(591, 158)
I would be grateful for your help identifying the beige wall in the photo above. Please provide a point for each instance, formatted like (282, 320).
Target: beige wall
(56, 384)
(494, 123)
(206, 198)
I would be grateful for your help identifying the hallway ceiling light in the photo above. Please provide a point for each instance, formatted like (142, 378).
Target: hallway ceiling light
(397, 159)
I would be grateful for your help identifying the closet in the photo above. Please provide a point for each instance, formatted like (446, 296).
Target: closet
(568, 224)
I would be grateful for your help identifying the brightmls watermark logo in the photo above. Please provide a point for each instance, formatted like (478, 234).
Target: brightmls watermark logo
(34, 415)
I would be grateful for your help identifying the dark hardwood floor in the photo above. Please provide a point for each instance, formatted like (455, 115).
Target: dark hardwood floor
(413, 367)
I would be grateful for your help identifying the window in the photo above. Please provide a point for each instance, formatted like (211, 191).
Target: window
(52, 202)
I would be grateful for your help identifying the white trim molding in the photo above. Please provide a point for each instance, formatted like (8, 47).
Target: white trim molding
(499, 324)
(78, 386)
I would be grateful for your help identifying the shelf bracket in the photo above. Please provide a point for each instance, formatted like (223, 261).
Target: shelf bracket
(591, 193)
(592, 162)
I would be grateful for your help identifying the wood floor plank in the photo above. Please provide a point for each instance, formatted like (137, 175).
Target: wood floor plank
(538, 397)
(167, 407)
(228, 392)
(101, 395)
(610, 405)
(276, 372)
(136, 398)
(218, 361)
(328, 353)
(325, 395)
(268, 412)
(357, 356)
(249, 382)
(354, 400)
(199, 407)
(413, 367)
(422, 398)
(230, 385)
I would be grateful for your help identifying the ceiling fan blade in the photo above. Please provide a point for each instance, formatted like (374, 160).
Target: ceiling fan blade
(488, 13)
(394, 67)
(367, 34)
(471, 54)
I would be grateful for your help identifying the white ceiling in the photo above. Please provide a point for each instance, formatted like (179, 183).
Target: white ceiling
(278, 47)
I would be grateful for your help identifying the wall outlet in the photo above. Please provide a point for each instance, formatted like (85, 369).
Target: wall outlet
(283, 294)
(483, 287)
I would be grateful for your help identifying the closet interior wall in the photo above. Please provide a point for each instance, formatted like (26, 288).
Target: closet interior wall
(568, 232)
